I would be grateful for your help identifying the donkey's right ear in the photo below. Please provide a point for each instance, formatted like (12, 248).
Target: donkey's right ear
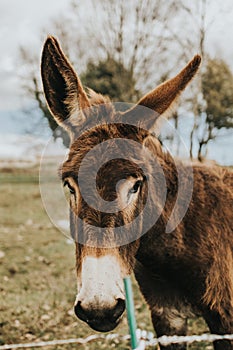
(63, 90)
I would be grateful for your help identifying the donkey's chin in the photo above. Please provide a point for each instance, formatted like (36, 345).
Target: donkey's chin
(104, 325)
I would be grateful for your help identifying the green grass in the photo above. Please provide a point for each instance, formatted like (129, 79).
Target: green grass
(37, 273)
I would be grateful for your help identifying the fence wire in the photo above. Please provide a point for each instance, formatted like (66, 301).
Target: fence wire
(145, 338)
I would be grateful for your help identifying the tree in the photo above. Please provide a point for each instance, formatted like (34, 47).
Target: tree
(110, 77)
(192, 39)
(217, 85)
(200, 16)
(130, 34)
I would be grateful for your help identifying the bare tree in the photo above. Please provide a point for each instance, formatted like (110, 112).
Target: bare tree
(149, 39)
(197, 101)
(198, 22)
(189, 34)
(133, 33)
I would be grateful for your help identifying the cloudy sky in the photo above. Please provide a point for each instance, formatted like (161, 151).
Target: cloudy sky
(21, 22)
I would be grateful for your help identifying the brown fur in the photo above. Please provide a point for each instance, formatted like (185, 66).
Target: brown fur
(187, 271)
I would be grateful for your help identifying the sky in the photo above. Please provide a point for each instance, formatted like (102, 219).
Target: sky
(21, 23)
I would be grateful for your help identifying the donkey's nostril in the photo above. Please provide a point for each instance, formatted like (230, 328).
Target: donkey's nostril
(118, 309)
(80, 313)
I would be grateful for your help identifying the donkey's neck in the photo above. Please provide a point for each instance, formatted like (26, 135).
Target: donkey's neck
(157, 242)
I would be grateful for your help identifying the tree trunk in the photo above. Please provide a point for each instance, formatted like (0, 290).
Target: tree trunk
(199, 154)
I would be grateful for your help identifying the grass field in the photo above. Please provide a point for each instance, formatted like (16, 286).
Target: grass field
(37, 273)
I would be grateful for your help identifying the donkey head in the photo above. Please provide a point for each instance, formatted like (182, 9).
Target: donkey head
(103, 217)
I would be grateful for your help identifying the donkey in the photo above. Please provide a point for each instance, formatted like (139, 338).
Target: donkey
(182, 271)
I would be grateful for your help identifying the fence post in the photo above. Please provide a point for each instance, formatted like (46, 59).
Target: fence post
(130, 312)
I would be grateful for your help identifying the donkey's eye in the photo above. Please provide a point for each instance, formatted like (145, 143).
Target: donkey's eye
(72, 191)
(136, 187)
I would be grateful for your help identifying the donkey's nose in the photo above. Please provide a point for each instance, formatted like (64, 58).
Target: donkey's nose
(101, 319)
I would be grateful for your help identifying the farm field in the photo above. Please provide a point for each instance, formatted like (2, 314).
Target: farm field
(37, 274)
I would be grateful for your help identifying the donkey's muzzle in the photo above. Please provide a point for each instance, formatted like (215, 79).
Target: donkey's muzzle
(101, 319)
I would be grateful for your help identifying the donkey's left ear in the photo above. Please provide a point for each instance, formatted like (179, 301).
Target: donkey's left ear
(162, 98)
(63, 90)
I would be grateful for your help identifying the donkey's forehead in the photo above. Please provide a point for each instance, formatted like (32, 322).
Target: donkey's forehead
(95, 137)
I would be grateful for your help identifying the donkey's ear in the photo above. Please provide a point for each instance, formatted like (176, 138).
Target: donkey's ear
(162, 98)
(63, 90)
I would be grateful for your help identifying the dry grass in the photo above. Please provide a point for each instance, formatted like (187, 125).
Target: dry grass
(37, 275)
